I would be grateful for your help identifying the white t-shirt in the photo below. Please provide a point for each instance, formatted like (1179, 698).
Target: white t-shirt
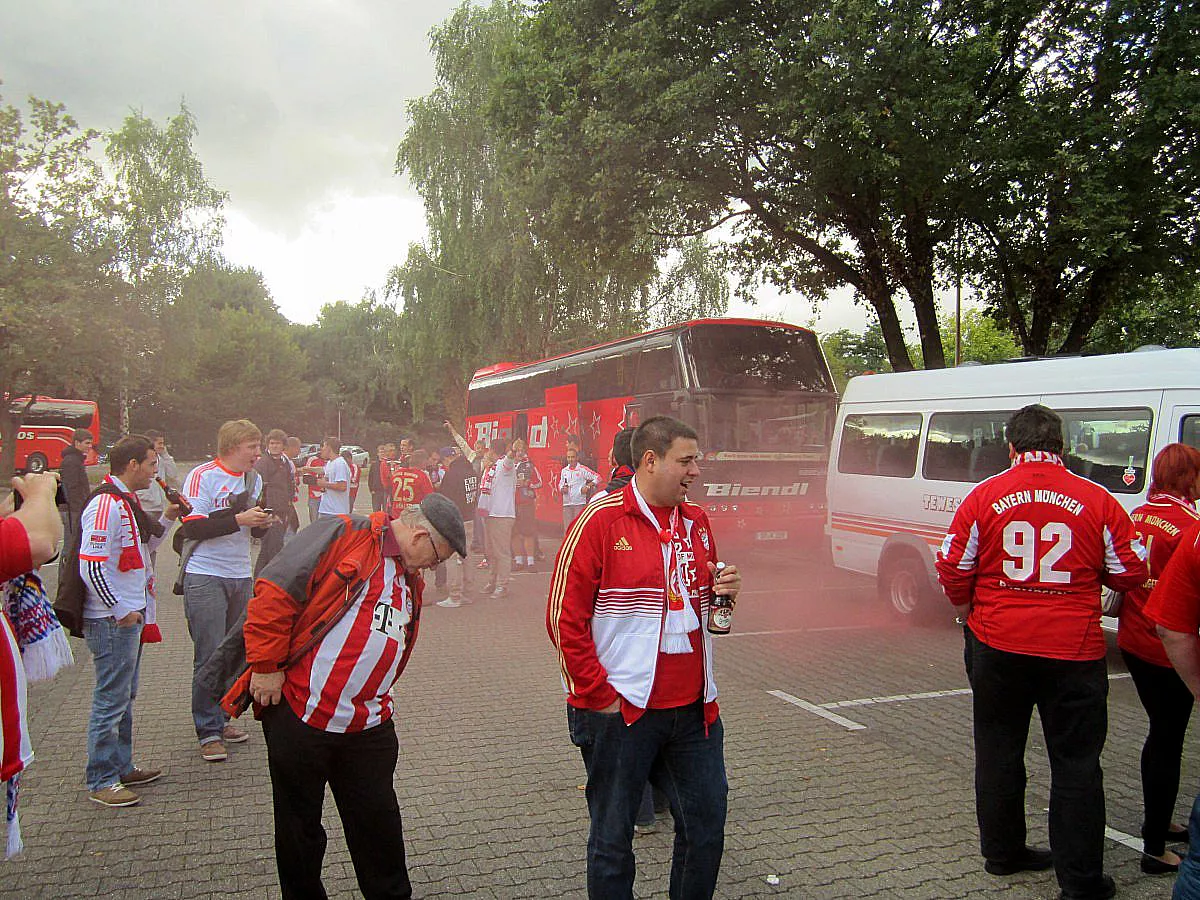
(208, 488)
(336, 503)
(573, 482)
(503, 504)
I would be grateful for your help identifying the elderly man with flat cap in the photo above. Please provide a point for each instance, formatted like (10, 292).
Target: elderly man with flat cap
(328, 631)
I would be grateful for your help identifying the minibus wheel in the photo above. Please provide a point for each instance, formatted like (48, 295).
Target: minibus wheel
(904, 584)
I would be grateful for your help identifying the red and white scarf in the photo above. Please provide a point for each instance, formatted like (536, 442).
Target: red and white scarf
(681, 617)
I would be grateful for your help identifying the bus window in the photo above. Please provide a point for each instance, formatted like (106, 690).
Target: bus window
(1109, 446)
(965, 446)
(880, 445)
(1189, 431)
(656, 371)
(785, 425)
(730, 357)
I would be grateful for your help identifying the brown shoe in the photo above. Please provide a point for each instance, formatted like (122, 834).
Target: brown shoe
(214, 751)
(115, 795)
(136, 776)
(234, 735)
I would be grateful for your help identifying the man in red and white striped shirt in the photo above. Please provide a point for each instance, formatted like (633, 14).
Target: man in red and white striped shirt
(323, 679)
(1027, 552)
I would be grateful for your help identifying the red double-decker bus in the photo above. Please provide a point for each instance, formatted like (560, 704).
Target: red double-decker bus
(758, 393)
(48, 428)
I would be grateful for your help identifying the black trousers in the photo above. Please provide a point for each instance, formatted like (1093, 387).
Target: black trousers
(358, 767)
(1072, 699)
(1168, 704)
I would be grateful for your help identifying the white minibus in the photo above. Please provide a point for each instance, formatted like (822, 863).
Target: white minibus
(909, 446)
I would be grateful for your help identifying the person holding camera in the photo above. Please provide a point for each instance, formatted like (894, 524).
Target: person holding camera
(217, 579)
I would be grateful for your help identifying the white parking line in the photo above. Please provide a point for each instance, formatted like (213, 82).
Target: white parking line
(818, 711)
(1122, 838)
(796, 630)
(823, 709)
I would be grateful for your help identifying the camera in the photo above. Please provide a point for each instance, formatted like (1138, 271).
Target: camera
(60, 497)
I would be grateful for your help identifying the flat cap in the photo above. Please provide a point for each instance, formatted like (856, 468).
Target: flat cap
(445, 518)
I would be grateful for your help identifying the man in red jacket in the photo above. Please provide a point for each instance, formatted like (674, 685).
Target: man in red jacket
(1027, 552)
(631, 585)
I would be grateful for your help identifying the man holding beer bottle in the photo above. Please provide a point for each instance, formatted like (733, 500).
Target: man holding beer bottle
(634, 579)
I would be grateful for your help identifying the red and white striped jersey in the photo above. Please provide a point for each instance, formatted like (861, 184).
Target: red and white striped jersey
(344, 683)
(1029, 549)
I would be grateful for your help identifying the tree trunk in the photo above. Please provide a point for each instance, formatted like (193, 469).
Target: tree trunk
(916, 269)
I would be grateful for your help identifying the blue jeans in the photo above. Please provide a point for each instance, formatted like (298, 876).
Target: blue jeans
(116, 653)
(213, 606)
(1187, 885)
(669, 748)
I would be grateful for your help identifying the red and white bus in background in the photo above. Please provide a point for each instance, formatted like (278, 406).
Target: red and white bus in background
(48, 428)
(758, 393)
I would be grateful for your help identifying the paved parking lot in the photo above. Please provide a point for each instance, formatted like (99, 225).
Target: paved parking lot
(490, 785)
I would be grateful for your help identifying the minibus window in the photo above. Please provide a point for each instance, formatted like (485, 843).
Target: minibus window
(1189, 431)
(966, 446)
(880, 445)
(1109, 446)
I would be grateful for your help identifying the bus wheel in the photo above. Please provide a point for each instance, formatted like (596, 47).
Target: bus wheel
(35, 463)
(904, 584)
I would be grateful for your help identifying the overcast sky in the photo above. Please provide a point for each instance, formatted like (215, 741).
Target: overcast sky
(300, 106)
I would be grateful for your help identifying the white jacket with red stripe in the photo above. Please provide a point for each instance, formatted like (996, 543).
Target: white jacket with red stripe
(1029, 549)
(608, 602)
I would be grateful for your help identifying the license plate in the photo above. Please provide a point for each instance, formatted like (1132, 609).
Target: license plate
(770, 535)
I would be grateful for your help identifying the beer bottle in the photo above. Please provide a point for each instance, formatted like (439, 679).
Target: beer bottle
(174, 497)
(720, 608)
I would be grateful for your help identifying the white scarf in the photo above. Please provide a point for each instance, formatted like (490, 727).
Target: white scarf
(681, 618)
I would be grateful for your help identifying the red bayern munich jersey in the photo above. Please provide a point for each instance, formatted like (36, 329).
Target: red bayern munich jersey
(1161, 522)
(1029, 549)
(1175, 602)
(409, 486)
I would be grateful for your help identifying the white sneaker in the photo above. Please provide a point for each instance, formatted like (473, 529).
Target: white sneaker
(500, 592)
(449, 604)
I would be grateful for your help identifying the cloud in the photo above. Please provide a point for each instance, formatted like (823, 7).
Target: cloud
(296, 100)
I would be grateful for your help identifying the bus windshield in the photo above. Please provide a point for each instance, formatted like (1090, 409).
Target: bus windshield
(729, 357)
(778, 424)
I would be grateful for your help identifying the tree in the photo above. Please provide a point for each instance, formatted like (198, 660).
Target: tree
(848, 143)
(1165, 315)
(486, 286)
(166, 219)
(850, 353)
(51, 262)
(356, 364)
(226, 352)
(1091, 200)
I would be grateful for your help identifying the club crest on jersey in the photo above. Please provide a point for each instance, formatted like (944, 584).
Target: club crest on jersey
(704, 539)
(622, 544)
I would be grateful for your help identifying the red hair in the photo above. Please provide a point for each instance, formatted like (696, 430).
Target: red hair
(1175, 471)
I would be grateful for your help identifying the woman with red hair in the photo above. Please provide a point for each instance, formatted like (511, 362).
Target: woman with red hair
(1168, 513)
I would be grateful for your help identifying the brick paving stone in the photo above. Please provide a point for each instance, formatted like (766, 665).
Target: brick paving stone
(489, 783)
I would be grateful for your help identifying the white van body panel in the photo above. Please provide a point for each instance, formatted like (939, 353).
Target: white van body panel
(871, 516)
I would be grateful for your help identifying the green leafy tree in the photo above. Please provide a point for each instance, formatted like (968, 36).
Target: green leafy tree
(227, 352)
(850, 353)
(165, 220)
(52, 276)
(356, 366)
(856, 142)
(1162, 314)
(486, 286)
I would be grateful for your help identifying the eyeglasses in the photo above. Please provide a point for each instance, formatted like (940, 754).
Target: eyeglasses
(436, 555)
